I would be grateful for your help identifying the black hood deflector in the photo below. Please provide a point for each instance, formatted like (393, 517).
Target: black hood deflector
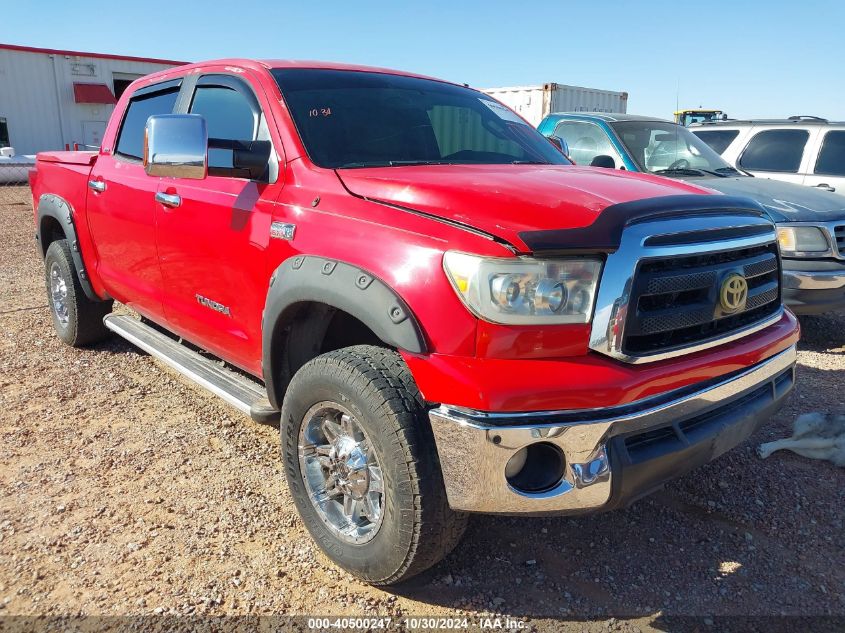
(605, 234)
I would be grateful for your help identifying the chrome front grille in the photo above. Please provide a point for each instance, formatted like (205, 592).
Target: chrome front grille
(675, 301)
(661, 291)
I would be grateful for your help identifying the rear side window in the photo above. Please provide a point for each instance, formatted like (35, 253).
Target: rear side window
(4, 133)
(130, 141)
(831, 161)
(775, 150)
(718, 140)
(229, 116)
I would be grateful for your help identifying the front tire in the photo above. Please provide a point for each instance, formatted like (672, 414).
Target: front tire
(77, 319)
(362, 466)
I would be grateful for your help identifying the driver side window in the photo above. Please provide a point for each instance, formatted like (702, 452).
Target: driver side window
(587, 142)
(229, 116)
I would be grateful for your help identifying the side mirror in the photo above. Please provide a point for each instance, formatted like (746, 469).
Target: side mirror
(249, 159)
(252, 158)
(560, 143)
(603, 160)
(176, 146)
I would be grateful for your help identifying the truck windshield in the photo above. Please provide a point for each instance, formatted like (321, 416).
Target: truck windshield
(661, 147)
(349, 119)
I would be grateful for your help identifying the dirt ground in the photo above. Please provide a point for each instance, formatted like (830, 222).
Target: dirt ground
(126, 490)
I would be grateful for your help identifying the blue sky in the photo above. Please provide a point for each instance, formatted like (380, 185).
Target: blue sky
(751, 59)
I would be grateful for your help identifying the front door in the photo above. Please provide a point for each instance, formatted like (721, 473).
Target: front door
(212, 244)
(121, 209)
(587, 142)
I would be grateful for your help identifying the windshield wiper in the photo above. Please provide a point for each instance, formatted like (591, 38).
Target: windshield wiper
(684, 171)
(715, 172)
(530, 162)
(407, 163)
(727, 170)
(695, 171)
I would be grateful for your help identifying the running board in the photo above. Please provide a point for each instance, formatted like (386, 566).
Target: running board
(247, 396)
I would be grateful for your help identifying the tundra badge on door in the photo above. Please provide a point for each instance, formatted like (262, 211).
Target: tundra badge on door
(208, 303)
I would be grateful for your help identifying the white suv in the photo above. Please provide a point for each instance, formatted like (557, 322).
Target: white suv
(801, 149)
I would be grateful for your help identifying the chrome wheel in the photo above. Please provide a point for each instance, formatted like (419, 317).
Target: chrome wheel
(341, 473)
(58, 294)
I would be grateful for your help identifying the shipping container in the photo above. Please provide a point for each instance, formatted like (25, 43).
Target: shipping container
(535, 102)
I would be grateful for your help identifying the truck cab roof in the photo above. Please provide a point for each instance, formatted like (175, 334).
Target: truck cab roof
(607, 117)
(267, 64)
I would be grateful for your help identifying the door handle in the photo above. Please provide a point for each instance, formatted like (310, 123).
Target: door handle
(97, 185)
(171, 200)
(826, 187)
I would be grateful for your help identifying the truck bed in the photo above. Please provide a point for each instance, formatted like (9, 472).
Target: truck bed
(68, 158)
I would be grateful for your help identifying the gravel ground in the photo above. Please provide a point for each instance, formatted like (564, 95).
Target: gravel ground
(126, 490)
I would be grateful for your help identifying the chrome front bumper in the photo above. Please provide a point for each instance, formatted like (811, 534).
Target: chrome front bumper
(815, 280)
(475, 447)
(811, 287)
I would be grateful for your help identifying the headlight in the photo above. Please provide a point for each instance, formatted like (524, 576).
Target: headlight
(802, 239)
(525, 291)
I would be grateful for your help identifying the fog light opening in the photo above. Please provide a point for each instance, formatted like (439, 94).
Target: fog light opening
(536, 468)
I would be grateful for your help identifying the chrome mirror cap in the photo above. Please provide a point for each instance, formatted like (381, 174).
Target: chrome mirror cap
(176, 146)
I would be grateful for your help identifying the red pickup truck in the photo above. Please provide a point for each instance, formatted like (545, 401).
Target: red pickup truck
(446, 315)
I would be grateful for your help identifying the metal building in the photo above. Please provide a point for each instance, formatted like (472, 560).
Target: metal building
(50, 99)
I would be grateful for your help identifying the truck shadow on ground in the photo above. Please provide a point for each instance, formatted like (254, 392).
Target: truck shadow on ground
(675, 553)
(823, 333)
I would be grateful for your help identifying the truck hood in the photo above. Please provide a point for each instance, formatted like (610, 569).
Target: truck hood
(785, 201)
(504, 200)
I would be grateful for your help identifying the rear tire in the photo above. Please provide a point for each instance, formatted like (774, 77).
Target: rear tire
(404, 524)
(77, 319)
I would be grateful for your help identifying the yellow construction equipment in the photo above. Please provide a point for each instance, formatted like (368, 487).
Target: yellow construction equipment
(698, 115)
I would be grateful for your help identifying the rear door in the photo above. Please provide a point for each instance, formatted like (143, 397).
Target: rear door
(121, 211)
(828, 161)
(777, 153)
(212, 245)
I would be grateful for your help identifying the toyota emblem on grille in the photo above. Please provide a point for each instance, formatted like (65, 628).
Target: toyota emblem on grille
(734, 293)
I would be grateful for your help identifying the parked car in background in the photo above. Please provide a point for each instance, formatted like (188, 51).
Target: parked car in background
(444, 314)
(804, 150)
(811, 222)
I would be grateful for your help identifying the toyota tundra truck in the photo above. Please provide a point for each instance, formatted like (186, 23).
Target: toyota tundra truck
(443, 313)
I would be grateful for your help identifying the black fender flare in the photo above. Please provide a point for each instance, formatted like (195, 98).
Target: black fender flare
(59, 209)
(310, 279)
